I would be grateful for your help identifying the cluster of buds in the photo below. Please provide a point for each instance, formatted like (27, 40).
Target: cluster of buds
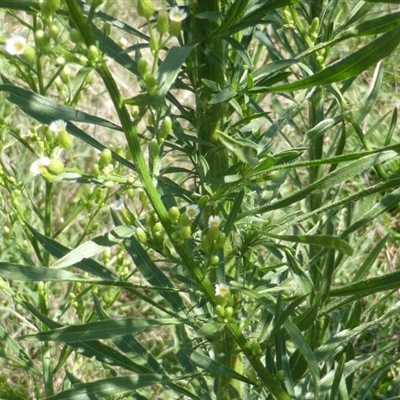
(224, 308)
(212, 238)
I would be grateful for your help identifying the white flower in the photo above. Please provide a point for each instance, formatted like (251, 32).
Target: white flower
(222, 290)
(192, 211)
(214, 221)
(39, 166)
(15, 45)
(118, 204)
(122, 42)
(177, 15)
(58, 126)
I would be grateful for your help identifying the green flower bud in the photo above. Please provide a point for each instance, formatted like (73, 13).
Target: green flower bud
(220, 311)
(280, 376)
(165, 127)
(49, 7)
(185, 220)
(96, 170)
(185, 232)
(54, 30)
(174, 214)
(55, 167)
(93, 54)
(65, 139)
(75, 36)
(41, 38)
(220, 241)
(131, 193)
(65, 74)
(151, 82)
(150, 219)
(60, 61)
(29, 54)
(214, 260)
(175, 28)
(141, 235)
(145, 8)
(143, 67)
(157, 227)
(162, 22)
(153, 148)
(205, 244)
(213, 233)
(256, 348)
(229, 312)
(105, 158)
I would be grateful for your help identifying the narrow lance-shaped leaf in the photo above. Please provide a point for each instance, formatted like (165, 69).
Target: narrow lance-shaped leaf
(104, 329)
(349, 66)
(107, 388)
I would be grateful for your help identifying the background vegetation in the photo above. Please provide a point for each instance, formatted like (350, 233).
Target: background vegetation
(199, 202)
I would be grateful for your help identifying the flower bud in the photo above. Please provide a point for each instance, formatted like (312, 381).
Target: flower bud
(55, 167)
(220, 241)
(29, 54)
(165, 127)
(175, 28)
(214, 260)
(49, 7)
(75, 36)
(145, 8)
(213, 233)
(65, 74)
(174, 214)
(185, 232)
(141, 235)
(105, 158)
(220, 311)
(54, 30)
(205, 244)
(41, 38)
(162, 22)
(93, 54)
(153, 148)
(229, 312)
(65, 139)
(143, 67)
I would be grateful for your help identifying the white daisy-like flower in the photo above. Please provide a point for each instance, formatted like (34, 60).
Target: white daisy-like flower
(214, 221)
(15, 45)
(176, 14)
(39, 166)
(58, 126)
(222, 290)
(192, 211)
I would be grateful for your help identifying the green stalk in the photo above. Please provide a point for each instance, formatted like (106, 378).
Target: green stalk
(131, 135)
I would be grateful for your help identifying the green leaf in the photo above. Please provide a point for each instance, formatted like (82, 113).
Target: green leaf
(104, 329)
(349, 66)
(244, 150)
(151, 272)
(224, 95)
(58, 250)
(19, 272)
(170, 67)
(108, 388)
(333, 242)
(95, 246)
(209, 329)
(369, 286)
(37, 104)
(216, 368)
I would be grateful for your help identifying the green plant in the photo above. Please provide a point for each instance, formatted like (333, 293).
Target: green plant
(240, 253)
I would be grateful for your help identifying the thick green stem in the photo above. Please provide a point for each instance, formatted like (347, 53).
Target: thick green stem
(209, 61)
